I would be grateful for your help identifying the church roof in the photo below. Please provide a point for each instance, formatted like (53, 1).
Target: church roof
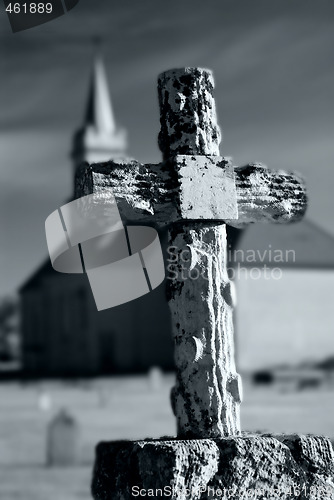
(99, 111)
(34, 280)
(299, 245)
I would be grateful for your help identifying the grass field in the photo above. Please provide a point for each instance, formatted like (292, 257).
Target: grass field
(117, 408)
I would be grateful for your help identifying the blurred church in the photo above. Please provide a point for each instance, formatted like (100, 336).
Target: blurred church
(63, 334)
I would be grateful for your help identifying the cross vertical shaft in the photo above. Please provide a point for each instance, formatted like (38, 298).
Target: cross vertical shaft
(207, 394)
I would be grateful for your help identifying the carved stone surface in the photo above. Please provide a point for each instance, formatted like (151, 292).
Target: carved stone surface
(207, 394)
(267, 196)
(188, 113)
(238, 468)
(144, 193)
(206, 188)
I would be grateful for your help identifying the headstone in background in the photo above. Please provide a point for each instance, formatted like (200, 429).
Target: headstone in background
(63, 440)
(155, 378)
(44, 401)
(102, 396)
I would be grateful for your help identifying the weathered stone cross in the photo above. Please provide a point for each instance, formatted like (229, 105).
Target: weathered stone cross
(196, 192)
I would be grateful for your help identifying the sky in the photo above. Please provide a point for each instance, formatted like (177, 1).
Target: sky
(273, 65)
(274, 74)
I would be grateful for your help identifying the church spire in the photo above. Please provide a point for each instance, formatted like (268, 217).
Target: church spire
(99, 111)
(99, 139)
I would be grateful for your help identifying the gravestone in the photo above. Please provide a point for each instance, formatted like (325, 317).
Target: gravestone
(155, 379)
(102, 396)
(63, 440)
(195, 192)
(44, 401)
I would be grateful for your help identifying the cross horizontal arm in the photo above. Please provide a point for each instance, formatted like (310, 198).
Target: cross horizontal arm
(268, 196)
(151, 193)
(144, 193)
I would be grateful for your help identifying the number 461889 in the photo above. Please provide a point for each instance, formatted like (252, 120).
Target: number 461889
(33, 8)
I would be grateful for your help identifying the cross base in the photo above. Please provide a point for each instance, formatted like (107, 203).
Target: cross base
(238, 468)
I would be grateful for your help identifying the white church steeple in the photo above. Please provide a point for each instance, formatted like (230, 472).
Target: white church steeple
(99, 112)
(99, 139)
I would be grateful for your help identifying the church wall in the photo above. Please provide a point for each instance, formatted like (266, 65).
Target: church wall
(73, 338)
(33, 341)
(65, 335)
(62, 342)
(285, 320)
(117, 339)
(155, 333)
(137, 333)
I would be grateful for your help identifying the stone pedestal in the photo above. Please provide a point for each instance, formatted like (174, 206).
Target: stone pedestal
(248, 466)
